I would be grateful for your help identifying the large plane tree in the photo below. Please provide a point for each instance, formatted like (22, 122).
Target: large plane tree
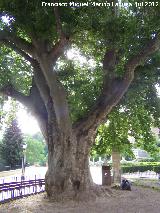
(69, 99)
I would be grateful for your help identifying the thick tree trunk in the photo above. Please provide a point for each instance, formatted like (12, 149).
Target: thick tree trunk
(116, 157)
(68, 175)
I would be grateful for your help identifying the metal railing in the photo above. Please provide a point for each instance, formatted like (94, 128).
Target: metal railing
(15, 190)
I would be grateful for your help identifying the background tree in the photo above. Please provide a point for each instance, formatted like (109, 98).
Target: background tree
(36, 150)
(113, 139)
(2, 161)
(135, 116)
(11, 147)
(118, 39)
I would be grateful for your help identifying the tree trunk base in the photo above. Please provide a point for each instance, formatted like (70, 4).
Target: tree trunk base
(89, 194)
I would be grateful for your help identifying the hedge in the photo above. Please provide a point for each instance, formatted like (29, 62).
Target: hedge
(140, 168)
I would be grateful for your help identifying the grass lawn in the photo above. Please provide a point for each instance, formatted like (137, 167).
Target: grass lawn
(148, 183)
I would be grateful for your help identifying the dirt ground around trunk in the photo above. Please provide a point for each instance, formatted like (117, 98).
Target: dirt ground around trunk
(139, 200)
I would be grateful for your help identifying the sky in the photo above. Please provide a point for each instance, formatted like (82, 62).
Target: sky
(27, 123)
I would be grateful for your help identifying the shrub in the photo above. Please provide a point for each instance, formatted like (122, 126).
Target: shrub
(141, 167)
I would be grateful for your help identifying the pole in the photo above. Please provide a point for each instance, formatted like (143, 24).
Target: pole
(22, 176)
(23, 161)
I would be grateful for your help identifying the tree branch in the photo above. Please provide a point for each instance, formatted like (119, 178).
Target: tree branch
(44, 97)
(41, 84)
(109, 63)
(9, 90)
(19, 51)
(19, 42)
(58, 49)
(34, 104)
(58, 21)
(38, 108)
(114, 89)
(152, 46)
(57, 93)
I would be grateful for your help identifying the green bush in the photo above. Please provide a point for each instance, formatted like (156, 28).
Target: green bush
(141, 167)
(147, 160)
(156, 169)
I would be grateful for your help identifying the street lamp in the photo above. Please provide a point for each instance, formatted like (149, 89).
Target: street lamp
(24, 146)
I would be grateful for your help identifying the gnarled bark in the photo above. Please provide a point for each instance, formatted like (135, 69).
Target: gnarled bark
(68, 175)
